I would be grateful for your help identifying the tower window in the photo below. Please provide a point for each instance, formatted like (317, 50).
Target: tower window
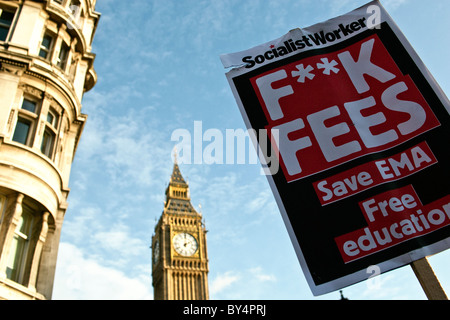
(6, 18)
(46, 46)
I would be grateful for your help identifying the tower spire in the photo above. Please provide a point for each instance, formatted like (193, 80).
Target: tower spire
(178, 190)
(177, 178)
(175, 155)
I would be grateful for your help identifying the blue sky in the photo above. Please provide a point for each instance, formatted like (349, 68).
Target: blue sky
(159, 70)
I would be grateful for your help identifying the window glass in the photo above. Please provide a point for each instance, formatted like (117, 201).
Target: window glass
(3, 33)
(47, 142)
(6, 18)
(29, 105)
(52, 118)
(21, 132)
(2, 207)
(14, 261)
(24, 225)
(45, 46)
(63, 53)
(20, 245)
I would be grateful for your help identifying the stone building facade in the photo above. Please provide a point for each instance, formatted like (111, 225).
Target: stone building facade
(46, 65)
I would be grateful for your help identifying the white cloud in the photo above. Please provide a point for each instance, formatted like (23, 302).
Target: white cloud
(78, 277)
(259, 274)
(259, 201)
(156, 56)
(107, 237)
(393, 4)
(118, 244)
(238, 285)
(127, 147)
(79, 226)
(223, 281)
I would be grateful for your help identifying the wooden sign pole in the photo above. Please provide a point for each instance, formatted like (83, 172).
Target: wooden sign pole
(428, 280)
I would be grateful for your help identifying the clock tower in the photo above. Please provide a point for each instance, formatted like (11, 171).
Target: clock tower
(179, 255)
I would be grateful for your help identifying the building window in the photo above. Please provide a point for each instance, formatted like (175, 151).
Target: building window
(63, 54)
(26, 122)
(2, 207)
(47, 142)
(46, 46)
(29, 105)
(49, 137)
(22, 132)
(6, 18)
(20, 246)
(53, 118)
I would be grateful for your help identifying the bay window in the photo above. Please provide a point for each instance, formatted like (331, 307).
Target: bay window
(26, 122)
(49, 137)
(46, 46)
(22, 132)
(61, 61)
(20, 246)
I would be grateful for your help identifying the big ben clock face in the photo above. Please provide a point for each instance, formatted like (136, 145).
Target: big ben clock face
(185, 244)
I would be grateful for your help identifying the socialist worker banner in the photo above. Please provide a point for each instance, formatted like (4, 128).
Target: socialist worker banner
(362, 132)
